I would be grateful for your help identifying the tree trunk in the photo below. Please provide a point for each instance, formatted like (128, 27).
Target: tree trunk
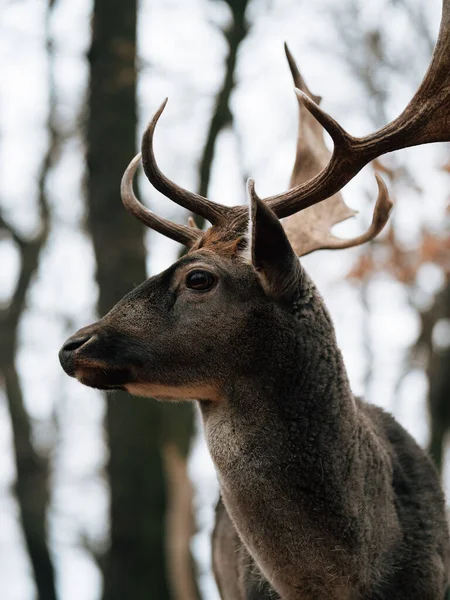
(438, 373)
(135, 564)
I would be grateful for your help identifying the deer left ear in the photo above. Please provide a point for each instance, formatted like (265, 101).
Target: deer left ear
(271, 253)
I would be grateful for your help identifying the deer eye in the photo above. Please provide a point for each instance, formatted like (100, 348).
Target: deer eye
(200, 280)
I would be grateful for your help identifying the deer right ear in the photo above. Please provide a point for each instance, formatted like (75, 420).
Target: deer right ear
(271, 252)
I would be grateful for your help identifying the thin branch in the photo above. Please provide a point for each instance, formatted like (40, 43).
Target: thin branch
(11, 231)
(222, 117)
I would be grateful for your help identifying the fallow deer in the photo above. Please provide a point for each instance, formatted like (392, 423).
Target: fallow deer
(324, 497)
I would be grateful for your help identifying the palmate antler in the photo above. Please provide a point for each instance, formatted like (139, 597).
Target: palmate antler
(309, 229)
(426, 119)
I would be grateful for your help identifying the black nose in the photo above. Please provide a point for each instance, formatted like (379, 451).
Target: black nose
(75, 342)
(68, 349)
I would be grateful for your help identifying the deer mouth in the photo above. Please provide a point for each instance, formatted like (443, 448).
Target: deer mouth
(96, 373)
(103, 377)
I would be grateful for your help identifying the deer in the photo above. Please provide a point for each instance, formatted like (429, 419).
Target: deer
(322, 495)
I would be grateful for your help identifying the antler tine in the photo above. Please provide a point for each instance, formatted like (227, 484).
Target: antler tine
(191, 223)
(426, 119)
(380, 217)
(313, 235)
(215, 213)
(179, 233)
(299, 82)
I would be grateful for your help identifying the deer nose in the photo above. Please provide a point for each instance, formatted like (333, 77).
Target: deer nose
(75, 342)
(66, 354)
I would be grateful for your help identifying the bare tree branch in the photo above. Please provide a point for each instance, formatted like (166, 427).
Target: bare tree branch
(222, 117)
(32, 469)
(11, 231)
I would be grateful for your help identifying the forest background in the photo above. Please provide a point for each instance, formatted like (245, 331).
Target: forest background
(96, 498)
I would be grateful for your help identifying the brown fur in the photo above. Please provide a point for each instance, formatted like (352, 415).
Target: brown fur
(222, 241)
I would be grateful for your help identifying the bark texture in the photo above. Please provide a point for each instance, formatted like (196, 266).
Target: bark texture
(135, 565)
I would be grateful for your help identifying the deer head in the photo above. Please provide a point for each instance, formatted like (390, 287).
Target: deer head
(187, 332)
(183, 333)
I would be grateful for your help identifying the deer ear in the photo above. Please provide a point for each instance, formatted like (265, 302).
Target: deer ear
(271, 253)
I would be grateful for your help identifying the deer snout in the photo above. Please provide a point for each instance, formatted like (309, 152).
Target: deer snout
(99, 357)
(68, 352)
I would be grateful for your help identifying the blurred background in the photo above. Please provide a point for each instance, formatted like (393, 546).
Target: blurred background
(113, 497)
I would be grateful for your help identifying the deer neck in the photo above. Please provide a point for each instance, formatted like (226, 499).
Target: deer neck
(293, 401)
(285, 446)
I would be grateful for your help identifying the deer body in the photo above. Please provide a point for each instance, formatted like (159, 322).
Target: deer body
(330, 497)
(315, 482)
(324, 497)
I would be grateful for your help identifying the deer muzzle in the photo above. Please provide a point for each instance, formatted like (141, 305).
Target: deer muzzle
(89, 356)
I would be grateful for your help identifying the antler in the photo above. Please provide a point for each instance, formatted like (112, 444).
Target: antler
(310, 230)
(179, 233)
(426, 119)
(215, 213)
